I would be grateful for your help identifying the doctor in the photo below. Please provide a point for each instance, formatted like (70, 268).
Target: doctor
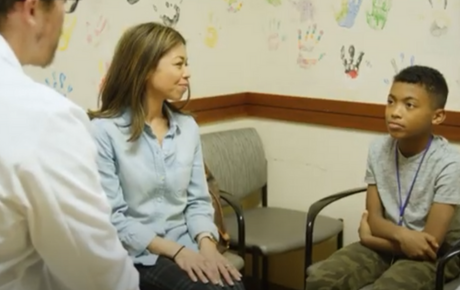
(55, 230)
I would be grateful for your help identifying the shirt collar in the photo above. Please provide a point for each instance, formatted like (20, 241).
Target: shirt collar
(125, 120)
(8, 56)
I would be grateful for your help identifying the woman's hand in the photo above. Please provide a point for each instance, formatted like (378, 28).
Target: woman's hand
(220, 263)
(197, 266)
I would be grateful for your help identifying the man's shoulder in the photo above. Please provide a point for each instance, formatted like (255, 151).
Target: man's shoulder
(36, 115)
(40, 102)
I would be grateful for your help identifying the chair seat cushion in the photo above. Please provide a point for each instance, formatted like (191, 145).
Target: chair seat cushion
(452, 285)
(234, 259)
(276, 230)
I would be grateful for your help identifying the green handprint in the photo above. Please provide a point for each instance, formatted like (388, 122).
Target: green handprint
(377, 16)
(274, 2)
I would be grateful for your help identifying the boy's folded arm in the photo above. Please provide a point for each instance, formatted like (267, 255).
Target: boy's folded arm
(379, 244)
(439, 219)
(380, 227)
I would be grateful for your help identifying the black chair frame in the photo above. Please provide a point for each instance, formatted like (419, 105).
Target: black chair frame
(234, 205)
(319, 205)
(255, 252)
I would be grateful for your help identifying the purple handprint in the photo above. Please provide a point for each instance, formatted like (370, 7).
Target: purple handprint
(349, 9)
(305, 8)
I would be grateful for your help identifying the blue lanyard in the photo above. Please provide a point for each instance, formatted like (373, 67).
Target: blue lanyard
(402, 207)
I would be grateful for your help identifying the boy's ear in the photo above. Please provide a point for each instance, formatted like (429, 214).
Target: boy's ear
(439, 116)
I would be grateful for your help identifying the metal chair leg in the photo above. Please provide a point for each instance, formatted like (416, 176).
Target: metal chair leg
(340, 238)
(265, 281)
(255, 267)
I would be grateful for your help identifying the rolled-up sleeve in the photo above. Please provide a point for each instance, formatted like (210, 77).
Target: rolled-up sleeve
(134, 235)
(199, 213)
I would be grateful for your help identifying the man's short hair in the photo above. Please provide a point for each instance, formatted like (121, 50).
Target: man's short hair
(7, 5)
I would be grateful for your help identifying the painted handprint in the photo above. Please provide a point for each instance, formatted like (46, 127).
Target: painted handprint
(234, 5)
(441, 21)
(132, 1)
(95, 29)
(346, 16)
(307, 42)
(377, 16)
(400, 63)
(169, 12)
(305, 8)
(211, 35)
(58, 82)
(103, 68)
(274, 2)
(70, 22)
(350, 61)
(275, 36)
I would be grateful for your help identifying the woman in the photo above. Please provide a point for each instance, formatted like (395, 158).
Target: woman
(151, 165)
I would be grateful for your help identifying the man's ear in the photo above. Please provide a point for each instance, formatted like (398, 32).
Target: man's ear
(28, 10)
(438, 117)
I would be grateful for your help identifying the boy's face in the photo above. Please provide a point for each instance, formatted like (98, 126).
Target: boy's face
(410, 111)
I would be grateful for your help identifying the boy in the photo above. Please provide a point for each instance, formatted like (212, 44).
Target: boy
(413, 191)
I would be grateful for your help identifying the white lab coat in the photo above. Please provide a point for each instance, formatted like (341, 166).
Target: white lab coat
(55, 230)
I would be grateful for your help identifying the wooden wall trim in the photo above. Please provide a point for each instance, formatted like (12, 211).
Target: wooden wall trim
(341, 114)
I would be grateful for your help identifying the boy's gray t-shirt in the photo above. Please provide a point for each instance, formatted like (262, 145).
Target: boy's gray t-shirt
(438, 181)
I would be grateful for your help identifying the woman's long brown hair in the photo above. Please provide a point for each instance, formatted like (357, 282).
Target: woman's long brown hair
(137, 54)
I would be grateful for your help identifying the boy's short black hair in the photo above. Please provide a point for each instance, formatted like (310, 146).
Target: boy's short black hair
(431, 79)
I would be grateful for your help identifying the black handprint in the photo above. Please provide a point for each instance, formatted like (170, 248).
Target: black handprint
(351, 64)
(170, 14)
(133, 1)
(445, 3)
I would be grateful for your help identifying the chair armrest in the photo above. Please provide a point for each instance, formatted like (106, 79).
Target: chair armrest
(441, 264)
(235, 205)
(314, 210)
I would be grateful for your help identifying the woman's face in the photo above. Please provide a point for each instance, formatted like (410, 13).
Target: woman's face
(171, 78)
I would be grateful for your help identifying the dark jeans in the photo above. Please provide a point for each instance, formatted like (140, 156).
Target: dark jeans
(167, 275)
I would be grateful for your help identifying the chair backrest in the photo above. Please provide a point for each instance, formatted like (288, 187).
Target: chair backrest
(237, 160)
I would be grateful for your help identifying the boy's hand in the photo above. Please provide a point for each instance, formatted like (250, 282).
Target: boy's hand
(364, 228)
(418, 245)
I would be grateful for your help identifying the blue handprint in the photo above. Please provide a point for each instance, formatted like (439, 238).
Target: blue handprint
(348, 12)
(400, 64)
(59, 84)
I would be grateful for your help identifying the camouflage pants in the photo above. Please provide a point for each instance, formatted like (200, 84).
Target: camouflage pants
(356, 266)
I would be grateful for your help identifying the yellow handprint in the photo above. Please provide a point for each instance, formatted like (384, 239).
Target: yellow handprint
(234, 5)
(103, 68)
(67, 31)
(212, 35)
